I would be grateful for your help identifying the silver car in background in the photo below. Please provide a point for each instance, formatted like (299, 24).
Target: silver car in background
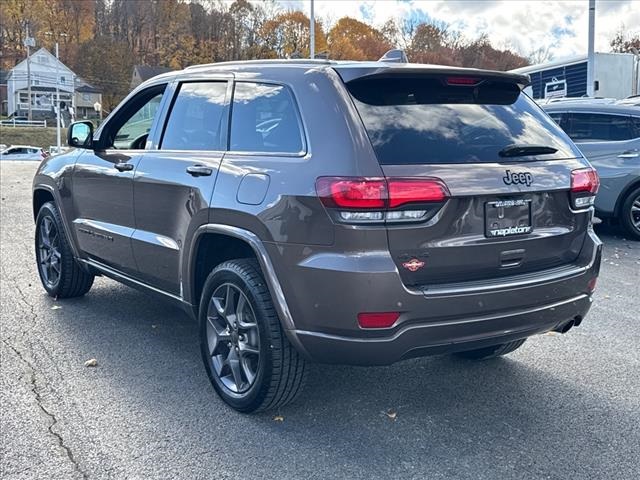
(609, 136)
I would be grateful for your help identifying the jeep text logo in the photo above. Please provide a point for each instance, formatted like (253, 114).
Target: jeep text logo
(515, 178)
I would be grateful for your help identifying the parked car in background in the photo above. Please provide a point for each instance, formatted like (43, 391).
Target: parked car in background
(630, 100)
(23, 152)
(53, 149)
(609, 136)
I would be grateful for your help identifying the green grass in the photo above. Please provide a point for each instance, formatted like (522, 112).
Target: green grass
(36, 136)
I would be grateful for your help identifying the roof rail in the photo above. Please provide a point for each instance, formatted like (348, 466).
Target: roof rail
(396, 55)
(270, 61)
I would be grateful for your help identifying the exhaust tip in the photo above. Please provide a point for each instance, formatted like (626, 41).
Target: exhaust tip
(565, 327)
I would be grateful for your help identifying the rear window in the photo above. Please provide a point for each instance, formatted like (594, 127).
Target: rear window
(423, 120)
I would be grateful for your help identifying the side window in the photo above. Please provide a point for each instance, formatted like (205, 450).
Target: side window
(557, 117)
(636, 126)
(130, 129)
(599, 127)
(264, 119)
(196, 118)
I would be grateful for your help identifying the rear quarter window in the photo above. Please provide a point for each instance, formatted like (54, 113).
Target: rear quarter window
(264, 118)
(423, 120)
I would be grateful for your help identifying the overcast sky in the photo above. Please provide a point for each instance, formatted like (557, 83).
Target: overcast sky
(523, 26)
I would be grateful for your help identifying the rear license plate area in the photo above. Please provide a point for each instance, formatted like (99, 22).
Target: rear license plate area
(505, 218)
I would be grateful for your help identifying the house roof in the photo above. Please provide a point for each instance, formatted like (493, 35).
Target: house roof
(83, 86)
(147, 71)
(48, 53)
(88, 89)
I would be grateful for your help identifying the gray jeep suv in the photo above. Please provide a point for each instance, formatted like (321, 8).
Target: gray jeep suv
(342, 212)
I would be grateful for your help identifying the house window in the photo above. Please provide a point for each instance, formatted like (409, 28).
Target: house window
(86, 97)
(63, 80)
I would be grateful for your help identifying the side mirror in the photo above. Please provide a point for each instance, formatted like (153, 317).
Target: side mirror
(80, 135)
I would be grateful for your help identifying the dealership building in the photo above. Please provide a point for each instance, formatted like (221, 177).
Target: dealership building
(616, 75)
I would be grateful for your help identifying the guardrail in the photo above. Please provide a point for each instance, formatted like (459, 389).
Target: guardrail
(23, 123)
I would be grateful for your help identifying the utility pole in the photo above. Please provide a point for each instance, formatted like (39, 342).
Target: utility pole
(591, 53)
(312, 34)
(28, 42)
(57, 101)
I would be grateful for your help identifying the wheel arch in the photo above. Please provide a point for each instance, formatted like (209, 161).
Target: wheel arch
(232, 242)
(623, 195)
(41, 195)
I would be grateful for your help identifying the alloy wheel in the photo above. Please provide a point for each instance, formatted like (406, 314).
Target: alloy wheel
(233, 338)
(634, 213)
(49, 256)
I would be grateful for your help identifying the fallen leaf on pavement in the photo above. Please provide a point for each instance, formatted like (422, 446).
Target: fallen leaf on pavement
(392, 414)
(91, 363)
(278, 418)
(56, 307)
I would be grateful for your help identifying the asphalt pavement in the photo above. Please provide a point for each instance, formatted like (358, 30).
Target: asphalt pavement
(561, 407)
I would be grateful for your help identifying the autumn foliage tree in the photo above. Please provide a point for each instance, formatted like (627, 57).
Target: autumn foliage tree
(350, 39)
(288, 34)
(101, 40)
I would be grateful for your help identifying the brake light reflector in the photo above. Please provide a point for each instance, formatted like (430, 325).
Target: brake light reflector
(377, 319)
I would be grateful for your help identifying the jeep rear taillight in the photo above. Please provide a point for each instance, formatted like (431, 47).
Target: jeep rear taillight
(584, 186)
(377, 199)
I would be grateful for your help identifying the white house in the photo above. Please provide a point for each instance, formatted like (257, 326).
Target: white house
(43, 86)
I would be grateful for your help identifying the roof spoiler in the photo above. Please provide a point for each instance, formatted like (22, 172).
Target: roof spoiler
(352, 72)
(396, 55)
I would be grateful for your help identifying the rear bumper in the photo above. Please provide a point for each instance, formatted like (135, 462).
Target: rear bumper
(330, 290)
(432, 338)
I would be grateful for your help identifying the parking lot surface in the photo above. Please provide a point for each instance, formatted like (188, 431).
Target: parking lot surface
(563, 406)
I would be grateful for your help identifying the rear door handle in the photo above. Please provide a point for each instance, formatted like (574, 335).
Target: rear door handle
(124, 167)
(199, 170)
(629, 154)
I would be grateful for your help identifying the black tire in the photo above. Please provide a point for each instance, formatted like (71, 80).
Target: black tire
(279, 372)
(491, 352)
(629, 214)
(70, 279)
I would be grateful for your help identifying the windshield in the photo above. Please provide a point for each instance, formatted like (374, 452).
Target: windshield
(424, 120)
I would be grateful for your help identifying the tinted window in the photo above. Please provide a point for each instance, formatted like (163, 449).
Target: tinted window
(636, 126)
(139, 117)
(599, 127)
(557, 117)
(264, 119)
(422, 120)
(196, 118)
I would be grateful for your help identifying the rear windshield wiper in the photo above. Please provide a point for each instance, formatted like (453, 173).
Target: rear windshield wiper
(522, 150)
